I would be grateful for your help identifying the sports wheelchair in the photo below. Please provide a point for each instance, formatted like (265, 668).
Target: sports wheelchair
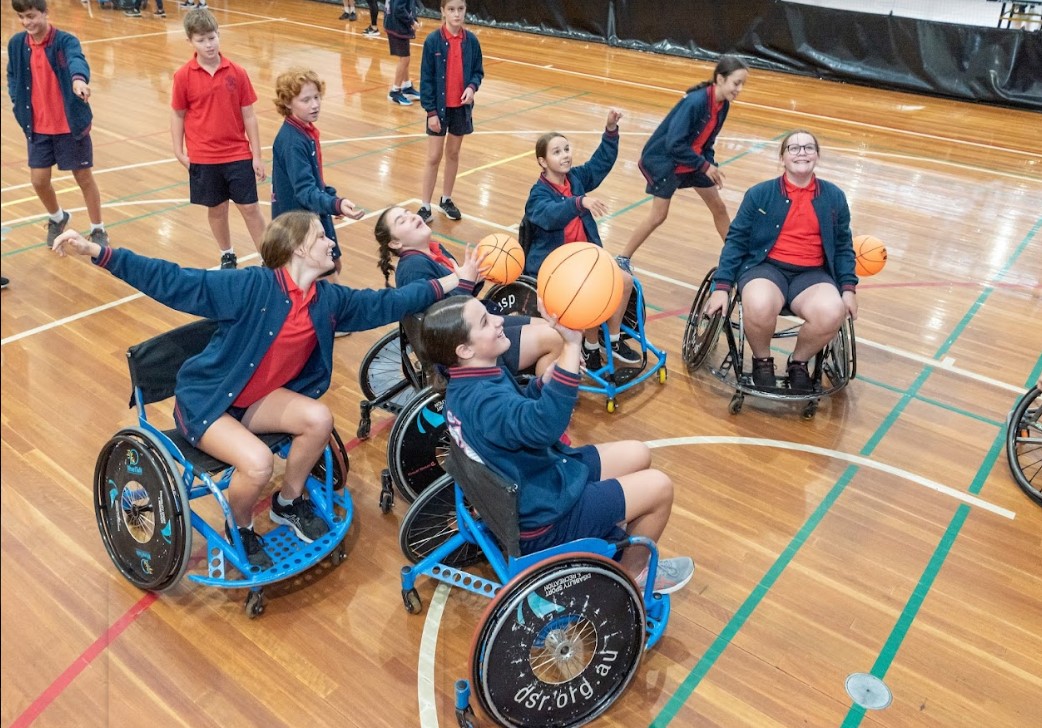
(831, 370)
(145, 478)
(390, 374)
(1024, 444)
(568, 621)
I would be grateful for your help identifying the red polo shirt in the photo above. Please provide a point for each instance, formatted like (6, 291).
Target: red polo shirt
(703, 136)
(214, 130)
(290, 350)
(574, 232)
(799, 242)
(454, 85)
(45, 94)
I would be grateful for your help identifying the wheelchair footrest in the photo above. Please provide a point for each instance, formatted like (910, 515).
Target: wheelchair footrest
(291, 556)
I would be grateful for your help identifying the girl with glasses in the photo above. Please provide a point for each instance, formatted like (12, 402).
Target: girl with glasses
(790, 245)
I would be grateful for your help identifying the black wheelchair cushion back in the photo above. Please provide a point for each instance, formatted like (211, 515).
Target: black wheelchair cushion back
(154, 363)
(410, 334)
(524, 234)
(494, 498)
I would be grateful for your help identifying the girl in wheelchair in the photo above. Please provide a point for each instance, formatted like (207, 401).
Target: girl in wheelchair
(270, 358)
(534, 344)
(564, 493)
(560, 211)
(790, 245)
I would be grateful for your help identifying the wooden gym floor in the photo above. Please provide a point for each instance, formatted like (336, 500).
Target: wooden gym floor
(885, 535)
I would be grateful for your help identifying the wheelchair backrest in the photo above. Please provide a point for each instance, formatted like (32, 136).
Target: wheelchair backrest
(409, 328)
(493, 496)
(154, 363)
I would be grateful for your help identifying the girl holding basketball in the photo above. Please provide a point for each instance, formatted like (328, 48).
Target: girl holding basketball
(564, 493)
(680, 154)
(790, 245)
(405, 235)
(560, 211)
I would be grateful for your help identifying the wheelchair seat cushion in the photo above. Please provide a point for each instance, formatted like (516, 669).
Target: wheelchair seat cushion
(204, 463)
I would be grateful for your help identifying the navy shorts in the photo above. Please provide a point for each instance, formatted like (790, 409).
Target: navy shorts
(398, 46)
(459, 121)
(211, 185)
(792, 280)
(597, 514)
(511, 358)
(65, 150)
(668, 185)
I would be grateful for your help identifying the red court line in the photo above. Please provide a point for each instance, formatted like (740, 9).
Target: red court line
(944, 284)
(52, 691)
(666, 314)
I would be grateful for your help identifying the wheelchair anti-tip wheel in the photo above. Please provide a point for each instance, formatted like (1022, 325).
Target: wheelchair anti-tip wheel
(418, 444)
(341, 462)
(1024, 444)
(517, 297)
(701, 331)
(142, 510)
(559, 643)
(430, 522)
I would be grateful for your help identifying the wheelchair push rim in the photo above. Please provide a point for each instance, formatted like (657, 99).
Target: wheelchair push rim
(571, 630)
(141, 507)
(430, 522)
(701, 332)
(1024, 444)
(382, 369)
(418, 444)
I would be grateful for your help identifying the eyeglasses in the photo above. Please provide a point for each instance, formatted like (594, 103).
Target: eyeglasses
(795, 149)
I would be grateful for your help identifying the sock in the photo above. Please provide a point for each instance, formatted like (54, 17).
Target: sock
(614, 338)
(57, 217)
(426, 206)
(229, 250)
(590, 345)
(395, 89)
(407, 84)
(444, 199)
(282, 501)
(98, 226)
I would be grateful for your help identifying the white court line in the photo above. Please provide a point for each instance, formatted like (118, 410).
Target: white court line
(854, 459)
(947, 364)
(173, 31)
(425, 666)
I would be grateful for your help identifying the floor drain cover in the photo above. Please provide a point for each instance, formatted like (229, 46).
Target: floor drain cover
(868, 691)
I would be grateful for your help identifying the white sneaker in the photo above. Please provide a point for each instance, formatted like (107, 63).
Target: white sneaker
(671, 575)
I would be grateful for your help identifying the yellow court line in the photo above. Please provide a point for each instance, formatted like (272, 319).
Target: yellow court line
(493, 164)
(34, 197)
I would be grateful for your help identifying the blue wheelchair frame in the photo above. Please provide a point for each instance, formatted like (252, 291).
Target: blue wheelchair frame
(168, 451)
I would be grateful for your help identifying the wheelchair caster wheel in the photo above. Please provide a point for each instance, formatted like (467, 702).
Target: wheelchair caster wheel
(662, 375)
(386, 492)
(337, 555)
(736, 403)
(255, 604)
(611, 406)
(364, 426)
(413, 603)
(810, 409)
(465, 717)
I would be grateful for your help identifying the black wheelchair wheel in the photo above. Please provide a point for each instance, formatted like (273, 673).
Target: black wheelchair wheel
(382, 369)
(142, 510)
(517, 297)
(341, 462)
(838, 360)
(418, 444)
(1024, 444)
(430, 522)
(701, 331)
(559, 643)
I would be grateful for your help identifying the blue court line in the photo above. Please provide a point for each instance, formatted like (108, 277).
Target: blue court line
(706, 662)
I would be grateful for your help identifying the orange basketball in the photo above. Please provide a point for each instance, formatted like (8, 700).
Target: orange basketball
(505, 259)
(581, 284)
(870, 255)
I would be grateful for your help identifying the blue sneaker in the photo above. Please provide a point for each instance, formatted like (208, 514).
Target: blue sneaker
(399, 98)
(624, 263)
(410, 92)
(672, 575)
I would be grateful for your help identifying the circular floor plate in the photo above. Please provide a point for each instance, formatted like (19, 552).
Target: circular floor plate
(868, 691)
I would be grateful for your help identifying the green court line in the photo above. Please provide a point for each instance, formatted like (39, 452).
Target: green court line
(706, 662)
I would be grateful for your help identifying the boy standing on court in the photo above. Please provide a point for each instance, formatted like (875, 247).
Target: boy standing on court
(48, 80)
(450, 74)
(213, 117)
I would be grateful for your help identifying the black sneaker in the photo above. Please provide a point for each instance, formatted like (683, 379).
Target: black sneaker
(449, 208)
(591, 359)
(54, 229)
(300, 516)
(763, 372)
(344, 16)
(624, 354)
(410, 92)
(99, 236)
(132, 13)
(159, 14)
(372, 31)
(229, 261)
(425, 214)
(254, 546)
(799, 377)
(398, 98)
(4, 282)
